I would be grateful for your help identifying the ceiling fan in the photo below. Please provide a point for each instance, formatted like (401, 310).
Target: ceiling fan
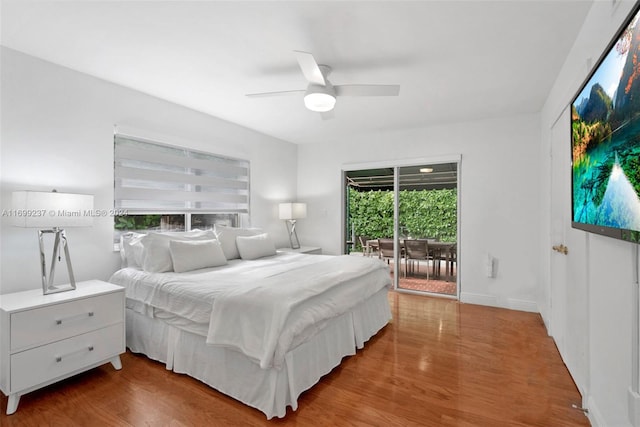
(320, 95)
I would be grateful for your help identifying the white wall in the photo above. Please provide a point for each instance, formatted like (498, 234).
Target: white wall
(499, 197)
(57, 132)
(607, 263)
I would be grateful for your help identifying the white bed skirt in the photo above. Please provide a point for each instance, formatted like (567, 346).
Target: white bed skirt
(232, 373)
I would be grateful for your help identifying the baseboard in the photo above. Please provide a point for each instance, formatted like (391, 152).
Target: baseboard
(594, 415)
(492, 301)
(479, 299)
(633, 400)
(523, 305)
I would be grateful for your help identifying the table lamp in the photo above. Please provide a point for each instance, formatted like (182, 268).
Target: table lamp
(290, 212)
(50, 212)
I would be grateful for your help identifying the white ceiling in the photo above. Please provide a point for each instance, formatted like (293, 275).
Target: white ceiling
(455, 60)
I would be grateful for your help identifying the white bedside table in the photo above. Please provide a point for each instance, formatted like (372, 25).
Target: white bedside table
(46, 338)
(304, 250)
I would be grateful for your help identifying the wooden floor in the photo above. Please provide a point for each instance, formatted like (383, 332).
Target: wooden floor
(438, 363)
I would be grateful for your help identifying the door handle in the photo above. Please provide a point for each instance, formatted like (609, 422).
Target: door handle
(561, 248)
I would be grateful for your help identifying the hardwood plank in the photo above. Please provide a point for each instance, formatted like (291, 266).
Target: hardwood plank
(437, 363)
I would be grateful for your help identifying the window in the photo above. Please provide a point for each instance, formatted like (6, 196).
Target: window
(168, 188)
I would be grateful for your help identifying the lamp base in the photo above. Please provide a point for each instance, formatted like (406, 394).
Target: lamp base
(47, 282)
(293, 236)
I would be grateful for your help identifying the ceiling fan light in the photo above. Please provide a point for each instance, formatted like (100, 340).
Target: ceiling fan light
(319, 102)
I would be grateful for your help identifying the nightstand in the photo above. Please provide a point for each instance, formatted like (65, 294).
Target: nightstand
(46, 338)
(304, 250)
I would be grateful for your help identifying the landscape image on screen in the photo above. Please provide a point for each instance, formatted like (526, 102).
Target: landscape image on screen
(605, 121)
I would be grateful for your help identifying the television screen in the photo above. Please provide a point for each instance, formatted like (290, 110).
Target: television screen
(605, 141)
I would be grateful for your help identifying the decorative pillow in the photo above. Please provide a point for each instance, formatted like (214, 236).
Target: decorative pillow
(254, 247)
(195, 254)
(156, 257)
(227, 237)
(131, 249)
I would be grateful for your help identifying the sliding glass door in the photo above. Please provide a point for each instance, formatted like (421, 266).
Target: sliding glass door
(427, 228)
(406, 216)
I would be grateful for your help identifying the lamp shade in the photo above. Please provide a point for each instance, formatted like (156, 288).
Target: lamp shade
(293, 210)
(39, 209)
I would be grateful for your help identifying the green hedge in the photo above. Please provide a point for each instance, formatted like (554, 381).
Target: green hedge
(425, 213)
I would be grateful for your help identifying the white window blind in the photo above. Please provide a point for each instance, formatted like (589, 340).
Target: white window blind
(153, 177)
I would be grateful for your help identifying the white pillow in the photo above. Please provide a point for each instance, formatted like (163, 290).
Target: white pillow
(195, 254)
(156, 257)
(254, 247)
(227, 237)
(131, 249)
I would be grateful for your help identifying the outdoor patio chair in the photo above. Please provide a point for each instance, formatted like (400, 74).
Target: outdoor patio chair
(367, 250)
(385, 249)
(416, 250)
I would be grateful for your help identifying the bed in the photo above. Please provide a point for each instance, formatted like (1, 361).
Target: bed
(257, 324)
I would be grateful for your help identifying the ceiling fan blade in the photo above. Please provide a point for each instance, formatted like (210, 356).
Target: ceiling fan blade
(280, 93)
(367, 90)
(309, 67)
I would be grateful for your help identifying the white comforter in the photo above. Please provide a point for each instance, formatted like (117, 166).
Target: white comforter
(263, 307)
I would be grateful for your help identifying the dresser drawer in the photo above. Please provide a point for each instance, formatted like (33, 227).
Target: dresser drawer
(55, 322)
(48, 362)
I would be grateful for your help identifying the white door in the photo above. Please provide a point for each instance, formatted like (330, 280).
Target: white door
(569, 291)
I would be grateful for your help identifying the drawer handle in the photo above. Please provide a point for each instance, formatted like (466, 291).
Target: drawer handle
(78, 317)
(59, 358)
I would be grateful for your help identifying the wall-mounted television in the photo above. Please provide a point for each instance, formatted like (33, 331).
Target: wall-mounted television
(605, 140)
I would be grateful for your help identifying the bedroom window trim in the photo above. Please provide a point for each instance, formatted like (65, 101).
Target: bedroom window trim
(154, 178)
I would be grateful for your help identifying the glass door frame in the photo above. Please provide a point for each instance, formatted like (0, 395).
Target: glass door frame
(396, 165)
